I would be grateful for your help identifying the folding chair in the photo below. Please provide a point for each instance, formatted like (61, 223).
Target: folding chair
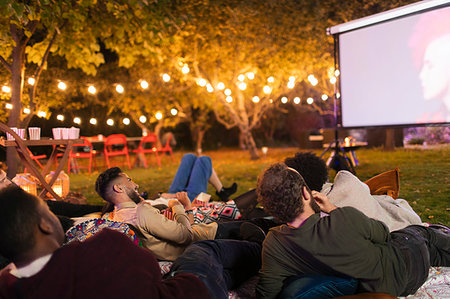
(147, 145)
(167, 148)
(90, 154)
(116, 145)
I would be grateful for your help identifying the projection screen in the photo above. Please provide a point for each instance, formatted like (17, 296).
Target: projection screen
(395, 67)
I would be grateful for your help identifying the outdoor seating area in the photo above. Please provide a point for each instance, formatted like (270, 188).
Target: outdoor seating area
(224, 149)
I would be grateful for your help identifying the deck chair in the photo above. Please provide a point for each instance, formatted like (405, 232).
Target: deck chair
(36, 158)
(147, 145)
(116, 145)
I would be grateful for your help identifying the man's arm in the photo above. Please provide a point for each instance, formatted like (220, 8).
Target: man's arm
(156, 224)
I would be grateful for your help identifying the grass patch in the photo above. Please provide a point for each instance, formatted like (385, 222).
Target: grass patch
(424, 175)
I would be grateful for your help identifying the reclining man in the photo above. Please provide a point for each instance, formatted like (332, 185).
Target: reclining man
(346, 243)
(107, 265)
(167, 239)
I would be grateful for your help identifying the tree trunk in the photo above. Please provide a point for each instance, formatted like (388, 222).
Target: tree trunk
(17, 74)
(199, 140)
(389, 144)
(158, 127)
(248, 137)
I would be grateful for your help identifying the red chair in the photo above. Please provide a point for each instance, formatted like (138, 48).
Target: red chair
(36, 158)
(167, 148)
(74, 154)
(116, 145)
(147, 145)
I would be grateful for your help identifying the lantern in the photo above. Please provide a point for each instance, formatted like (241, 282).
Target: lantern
(27, 182)
(61, 185)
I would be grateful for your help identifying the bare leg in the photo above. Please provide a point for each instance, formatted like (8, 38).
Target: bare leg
(215, 181)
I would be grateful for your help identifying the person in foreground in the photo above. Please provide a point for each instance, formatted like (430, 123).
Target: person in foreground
(107, 265)
(345, 244)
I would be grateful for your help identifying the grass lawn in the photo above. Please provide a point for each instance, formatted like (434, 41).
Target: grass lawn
(424, 175)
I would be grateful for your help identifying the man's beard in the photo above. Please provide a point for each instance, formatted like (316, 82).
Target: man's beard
(132, 194)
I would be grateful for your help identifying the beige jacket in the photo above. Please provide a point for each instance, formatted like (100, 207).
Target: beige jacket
(166, 238)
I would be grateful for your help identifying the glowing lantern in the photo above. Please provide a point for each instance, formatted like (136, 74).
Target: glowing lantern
(61, 185)
(27, 182)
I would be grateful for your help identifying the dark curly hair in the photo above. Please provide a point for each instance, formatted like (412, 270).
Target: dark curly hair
(104, 179)
(312, 168)
(279, 190)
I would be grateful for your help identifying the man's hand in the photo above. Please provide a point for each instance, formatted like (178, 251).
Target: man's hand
(8, 268)
(323, 202)
(173, 202)
(184, 199)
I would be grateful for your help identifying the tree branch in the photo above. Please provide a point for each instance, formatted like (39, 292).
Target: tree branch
(5, 64)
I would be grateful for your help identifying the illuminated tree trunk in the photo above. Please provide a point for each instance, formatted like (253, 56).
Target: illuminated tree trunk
(250, 142)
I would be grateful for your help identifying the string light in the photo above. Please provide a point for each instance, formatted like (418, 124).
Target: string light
(77, 120)
(6, 89)
(337, 73)
(255, 99)
(242, 86)
(173, 111)
(291, 84)
(241, 77)
(42, 114)
(110, 122)
(209, 88)
(166, 77)
(158, 115)
(26, 110)
(62, 85)
(309, 101)
(270, 79)
(144, 84)
(8, 106)
(292, 78)
(333, 80)
(251, 75)
(185, 69)
(60, 117)
(93, 121)
(202, 82)
(142, 119)
(126, 121)
(31, 81)
(284, 100)
(324, 97)
(267, 89)
(297, 100)
(227, 92)
(338, 95)
(229, 99)
(92, 89)
(220, 86)
(119, 88)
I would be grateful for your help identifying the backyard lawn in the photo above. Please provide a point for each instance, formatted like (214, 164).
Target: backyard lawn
(424, 175)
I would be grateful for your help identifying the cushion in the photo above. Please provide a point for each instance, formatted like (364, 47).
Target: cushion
(87, 229)
(386, 183)
(317, 287)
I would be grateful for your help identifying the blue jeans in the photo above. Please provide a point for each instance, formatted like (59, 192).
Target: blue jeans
(192, 175)
(221, 265)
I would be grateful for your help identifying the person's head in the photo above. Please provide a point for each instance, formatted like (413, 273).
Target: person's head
(312, 168)
(4, 181)
(27, 226)
(435, 72)
(283, 192)
(115, 186)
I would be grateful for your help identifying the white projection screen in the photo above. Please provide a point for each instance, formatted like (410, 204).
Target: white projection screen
(395, 67)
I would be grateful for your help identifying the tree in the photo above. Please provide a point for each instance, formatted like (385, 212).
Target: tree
(32, 31)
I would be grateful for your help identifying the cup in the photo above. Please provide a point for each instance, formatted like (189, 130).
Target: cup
(74, 133)
(56, 133)
(9, 136)
(20, 132)
(34, 133)
(65, 133)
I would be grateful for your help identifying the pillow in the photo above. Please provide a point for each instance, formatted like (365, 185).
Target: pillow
(386, 183)
(87, 229)
(317, 287)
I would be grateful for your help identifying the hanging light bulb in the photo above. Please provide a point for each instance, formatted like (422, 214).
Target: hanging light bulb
(173, 111)
(26, 110)
(324, 97)
(255, 99)
(126, 121)
(227, 92)
(93, 121)
(267, 89)
(202, 82)
(270, 79)
(241, 77)
(119, 88)
(60, 117)
(309, 101)
(209, 88)
(62, 85)
(144, 84)
(142, 118)
(284, 100)
(158, 115)
(31, 81)
(242, 86)
(42, 114)
(297, 100)
(229, 99)
(166, 77)
(6, 89)
(185, 69)
(251, 75)
(220, 86)
(92, 89)
(77, 120)
(110, 122)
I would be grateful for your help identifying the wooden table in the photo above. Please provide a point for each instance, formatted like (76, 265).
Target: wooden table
(59, 145)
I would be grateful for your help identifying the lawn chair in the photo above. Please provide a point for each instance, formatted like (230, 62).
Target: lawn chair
(36, 159)
(167, 148)
(147, 145)
(74, 154)
(116, 145)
